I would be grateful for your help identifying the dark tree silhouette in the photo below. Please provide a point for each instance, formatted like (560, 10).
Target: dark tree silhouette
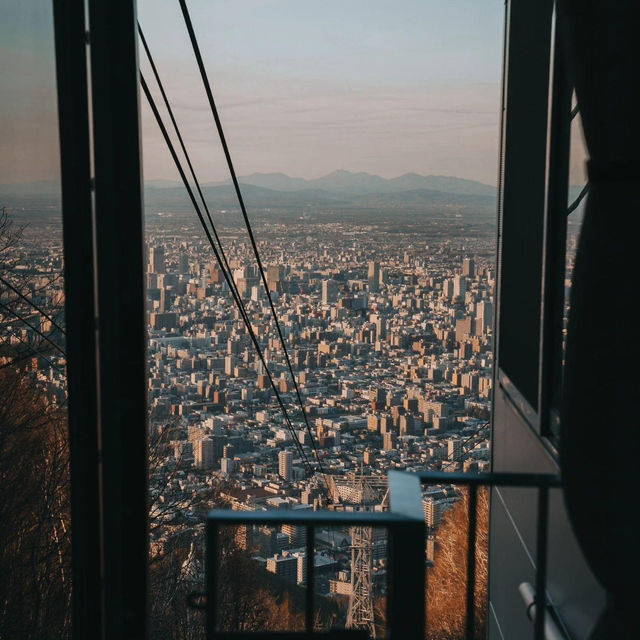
(35, 526)
(35, 523)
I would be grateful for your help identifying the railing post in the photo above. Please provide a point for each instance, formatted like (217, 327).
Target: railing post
(407, 566)
(406, 599)
(309, 609)
(471, 562)
(541, 561)
(211, 598)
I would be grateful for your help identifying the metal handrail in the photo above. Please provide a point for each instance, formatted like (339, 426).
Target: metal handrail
(543, 482)
(405, 604)
(405, 523)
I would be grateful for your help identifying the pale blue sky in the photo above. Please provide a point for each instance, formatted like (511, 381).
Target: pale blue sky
(303, 87)
(406, 42)
(308, 87)
(28, 113)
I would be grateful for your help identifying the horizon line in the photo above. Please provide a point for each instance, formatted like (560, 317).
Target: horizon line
(273, 173)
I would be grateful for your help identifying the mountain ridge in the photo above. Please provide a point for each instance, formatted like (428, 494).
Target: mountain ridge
(338, 189)
(256, 197)
(340, 182)
(346, 182)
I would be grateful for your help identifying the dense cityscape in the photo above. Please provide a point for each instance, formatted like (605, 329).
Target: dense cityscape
(389, 331)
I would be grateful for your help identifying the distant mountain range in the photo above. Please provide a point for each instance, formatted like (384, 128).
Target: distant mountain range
(347, 183)
(338, 189)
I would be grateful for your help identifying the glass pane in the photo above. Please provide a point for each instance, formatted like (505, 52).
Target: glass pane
(577, 182)
(35, 527)
(578, 157)
(367, 154)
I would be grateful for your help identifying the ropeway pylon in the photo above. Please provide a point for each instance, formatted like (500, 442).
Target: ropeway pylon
(369, 493)
(360, 615)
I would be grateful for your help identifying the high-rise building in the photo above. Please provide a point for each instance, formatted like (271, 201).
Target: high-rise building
(204, 453)
(227, 465)
(464, 328)
(275, 276)
(454, 448)
(389, 441)
(329, 291)
(373, 277)
(405, 425)
(386, 424)
(459, 286)
(447, 288)
(381, 327)
(285, 462)
(156, 260)
(373, 422)
(469, 268)
(484, 316)
(215, 275)
(302, 568)
(184, 263)
(297, 535)
(433, 510)
(163, 320)
(284, 566)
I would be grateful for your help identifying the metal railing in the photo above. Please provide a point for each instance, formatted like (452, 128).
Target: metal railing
(543, 483)
(406, 576)
(406, 546)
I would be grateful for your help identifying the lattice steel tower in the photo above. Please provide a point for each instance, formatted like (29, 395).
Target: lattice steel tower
(368, 492)
(360, 614)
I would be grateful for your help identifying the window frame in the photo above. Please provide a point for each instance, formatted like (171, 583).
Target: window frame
(82, 389)
(522, 203)
(99, 113)
(105, 290)
(536, 129)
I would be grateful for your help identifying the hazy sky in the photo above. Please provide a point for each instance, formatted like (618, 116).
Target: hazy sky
(28, 115)
(306, 87)
(303, 87)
